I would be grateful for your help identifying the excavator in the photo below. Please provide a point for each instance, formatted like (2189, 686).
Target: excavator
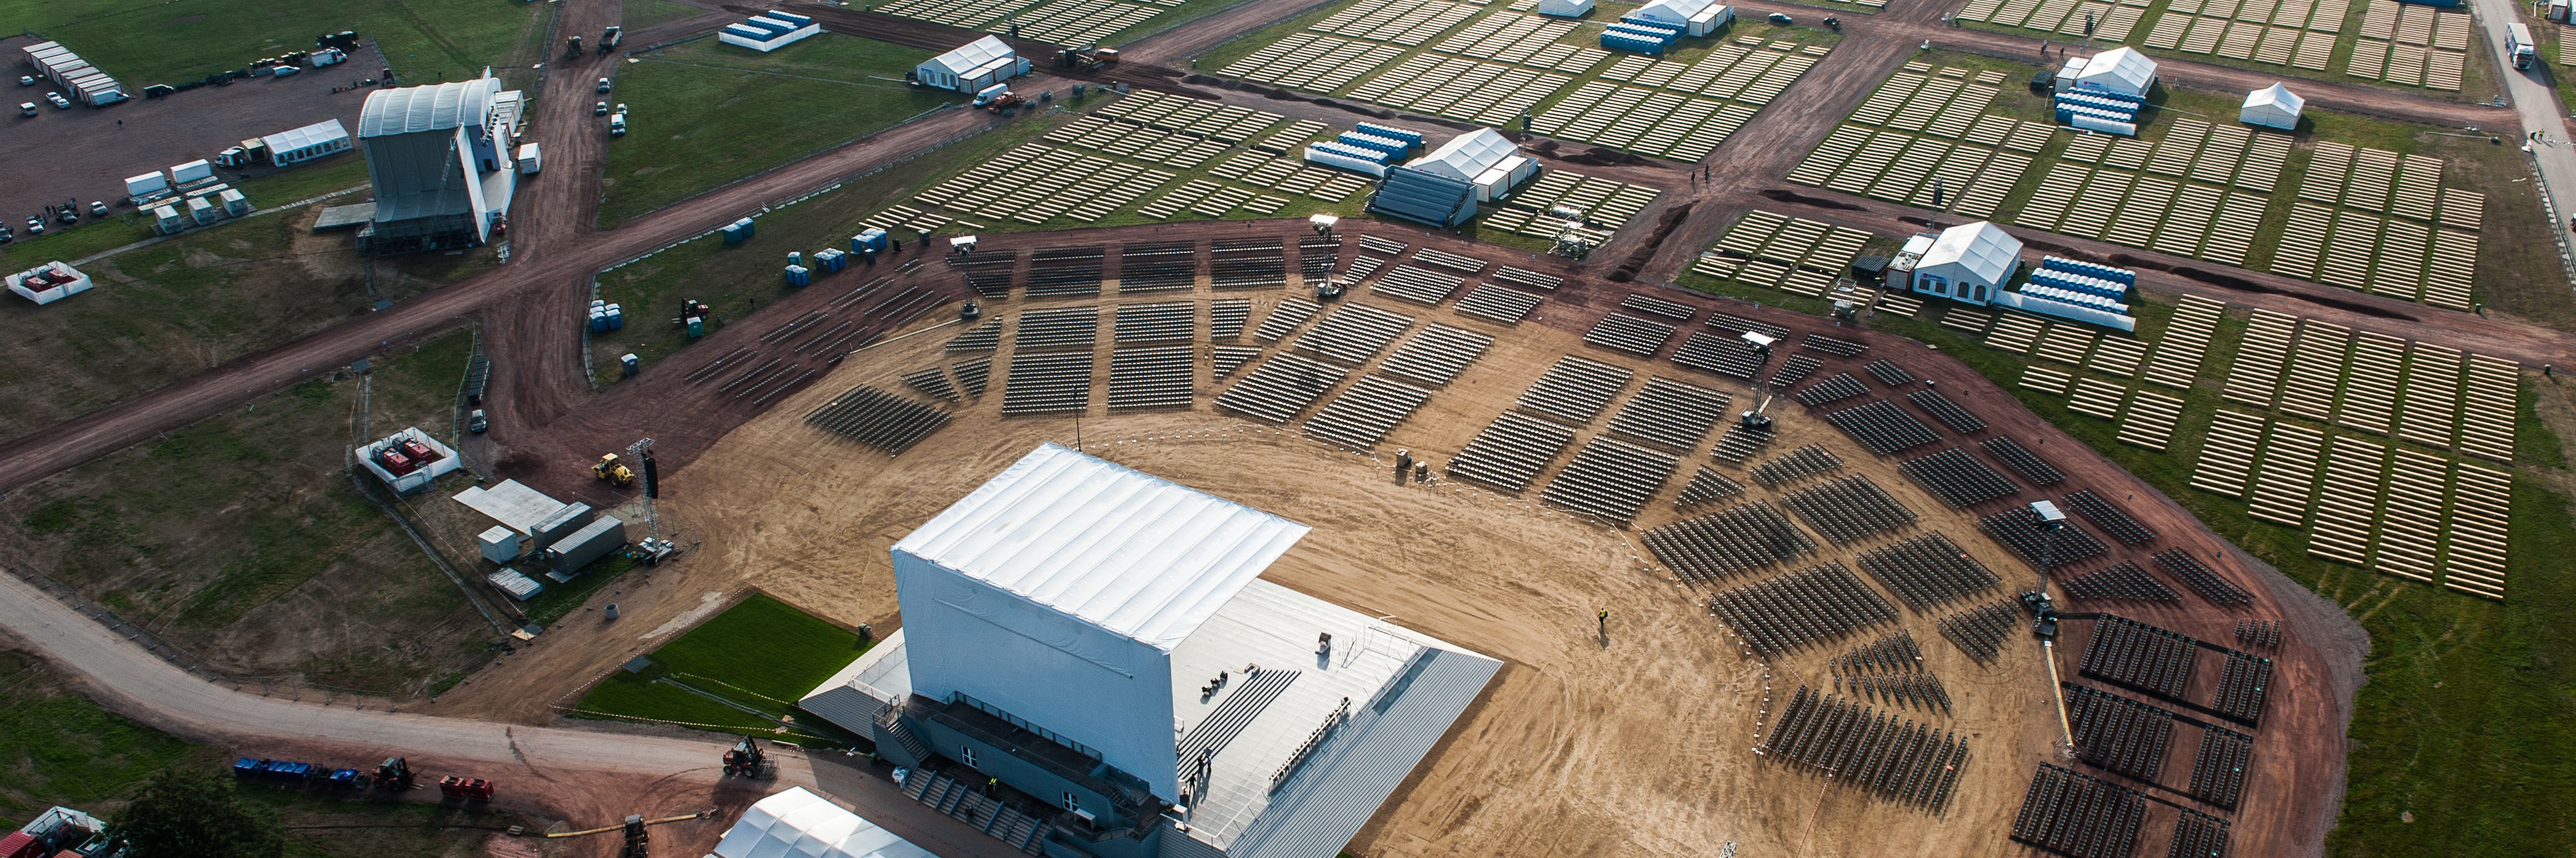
(613, 471)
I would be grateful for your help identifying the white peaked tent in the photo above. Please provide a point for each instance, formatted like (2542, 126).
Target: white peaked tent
(1695, 17)
(2119, 70)
(1969, 262)
(1484, 158)
(800, 824)
(1565, 8)
(2272, 107)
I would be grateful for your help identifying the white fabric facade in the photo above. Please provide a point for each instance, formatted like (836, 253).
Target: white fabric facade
(1484, 158)
(1969, 262)
(1057, 590)
(972, 66)
(800, 824)
(2120, 70)
(2272, 107)
(1564, 8)
(1695, 17)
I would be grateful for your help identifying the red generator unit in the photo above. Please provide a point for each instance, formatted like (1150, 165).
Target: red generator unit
(418, 451)
(395, 461)
(470, 789)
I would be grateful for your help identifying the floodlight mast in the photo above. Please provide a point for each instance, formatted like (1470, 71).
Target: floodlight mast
(2049, 519)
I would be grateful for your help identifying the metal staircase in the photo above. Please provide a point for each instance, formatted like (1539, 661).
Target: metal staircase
(960, 800)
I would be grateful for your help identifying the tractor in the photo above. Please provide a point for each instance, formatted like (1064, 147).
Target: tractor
(394, 775)
(746, 760)
(613, 471)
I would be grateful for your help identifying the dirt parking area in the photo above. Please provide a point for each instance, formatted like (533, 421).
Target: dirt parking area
(84, 153)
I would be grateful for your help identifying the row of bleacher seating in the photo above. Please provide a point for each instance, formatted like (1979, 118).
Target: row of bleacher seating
(2135, 655)
(1981, 631)
(1741, 325)
(1928, 571)
(1284, 318)
(1353, 333)
(1670, 413)
(2110, 518)
(1388, 246)
(1316, 255)
(2019, 528)
(1047, 383)
(989, 273)
(1156, 377)
(1795, 370)
(2078, 816)
(1808, 461)
(1363, 414)
(1498, 304)
(2218, 771)
(1882, 427)
(2118, 582)
(1281, 388)
(1224, 360)
(973, 374)
(2024, 462)
(2201, 579)
(1063, 327)
(1706, 486)
(2118, 733)
(2198, 835)
(1576, 389)
(1950, 413)
(1911, 690)
(1511, 451)
(1063, 271)
(980, 338)
(1850, 509)
(2242, 687)
(1888, 373)
(1611, 479)
(1835, 346)
(1158, 266)
(1908, 762)
(1654, 306)
(1436, 354)
(1226, 318)
(1624, 333)
(1247, 264)
(932, 382)
(1957, 478)
(1147, 323)
(1418, 285)
(1741, 441)
(1747, 536)
(1787, 613)
(1835, 388)
(1725, 356)
(1894, 652)
(1451, 261)
(878, 419)
(1528, 278)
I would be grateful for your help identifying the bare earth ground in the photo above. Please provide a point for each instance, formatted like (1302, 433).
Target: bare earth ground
(1637, 745)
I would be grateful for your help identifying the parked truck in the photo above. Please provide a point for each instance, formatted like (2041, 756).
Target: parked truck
(2518, 42)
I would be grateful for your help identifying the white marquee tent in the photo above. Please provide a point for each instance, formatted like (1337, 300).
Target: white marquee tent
(1969, 262)
(1565, 8)
(1484, 158)
(800, 824)
(2272, 107)
(1695, 17)
(2120, 70)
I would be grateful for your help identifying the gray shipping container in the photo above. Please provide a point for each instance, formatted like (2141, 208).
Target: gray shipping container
(572, 518)
(588, 544)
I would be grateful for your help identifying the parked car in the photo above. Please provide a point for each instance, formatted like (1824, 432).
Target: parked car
(600, 110)
(26, 80)
(60, 103)
(476, 423)
(1780, 19)
(7, 235)
(26, 108)
(603, 84)
(98, 208)
(289, 71)
(35, 226)
(617, 126)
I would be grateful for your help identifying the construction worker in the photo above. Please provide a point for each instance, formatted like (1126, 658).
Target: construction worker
(992, 786)
(1605, 622)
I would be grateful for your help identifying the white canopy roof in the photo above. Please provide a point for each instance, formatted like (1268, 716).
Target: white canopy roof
(2276, 97)
(1676, 11)
(436, 107)
(800, 824)
(1984, 249)
(1138, 556)
(1468, 155)
(974, 56)
(2121, 70)
(292, 139)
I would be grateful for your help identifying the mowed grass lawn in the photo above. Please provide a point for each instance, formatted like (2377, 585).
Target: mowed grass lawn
(158, 41)
(706, 114)
(762, 654)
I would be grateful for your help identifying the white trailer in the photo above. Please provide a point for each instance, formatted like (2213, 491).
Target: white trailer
(2518, 42)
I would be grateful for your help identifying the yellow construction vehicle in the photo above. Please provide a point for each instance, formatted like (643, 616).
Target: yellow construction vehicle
(615, 472)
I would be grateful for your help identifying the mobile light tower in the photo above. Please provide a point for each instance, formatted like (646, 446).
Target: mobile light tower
(2046, 516)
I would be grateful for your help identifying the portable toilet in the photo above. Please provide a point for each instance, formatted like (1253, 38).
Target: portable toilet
(797, 275)
(795, 257)
(599, 320)
(830, 259)
(165, 220)
(630, 363)
(697, 326)
(235, 204)
(203, 212)
(616, 317)
(869, 241)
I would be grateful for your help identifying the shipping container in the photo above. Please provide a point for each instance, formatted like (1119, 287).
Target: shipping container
(570, 554)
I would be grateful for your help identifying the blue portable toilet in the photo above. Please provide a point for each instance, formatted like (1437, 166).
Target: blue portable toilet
(599, 320)
(870, 240)
(738, 231)
(630, 363)
(795, 257)
(616, 317)
(831, 260)
(798, 276)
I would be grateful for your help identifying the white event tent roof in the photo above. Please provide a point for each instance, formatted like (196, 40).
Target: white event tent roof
(800, 824)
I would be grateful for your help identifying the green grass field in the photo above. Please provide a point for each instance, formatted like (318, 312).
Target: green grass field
(61, 748)
(161, 42)
(706, 114)
(761, 655)
(2464, 722)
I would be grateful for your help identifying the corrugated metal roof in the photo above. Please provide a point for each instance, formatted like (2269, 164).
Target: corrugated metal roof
(436, 107)
(1983, 248)
(800, 824)
(1130, 553)
(1345, 781)
(297, 138)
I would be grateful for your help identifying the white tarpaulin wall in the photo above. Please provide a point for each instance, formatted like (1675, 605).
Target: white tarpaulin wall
(1057, 590)
(800, 824)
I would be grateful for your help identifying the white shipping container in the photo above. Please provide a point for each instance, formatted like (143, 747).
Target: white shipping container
(192, 171)
(148, 183)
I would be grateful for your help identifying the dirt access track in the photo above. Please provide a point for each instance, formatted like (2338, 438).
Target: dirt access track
(1639, 744)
